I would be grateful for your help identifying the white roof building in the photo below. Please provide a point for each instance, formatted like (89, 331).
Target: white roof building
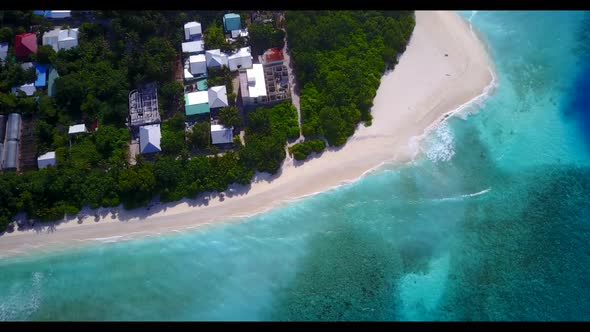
(191, 30)
(29, 89)
(77, 129)
(46, 160)
(61, 39)
(149, 138)
(256, 82)
(198, 64)
(221, 134)
(187, 74)
(215, 58)
(240, 60)
(217, 96)
(193, 47)
(3, 51)
(58, 13)
(197, 97)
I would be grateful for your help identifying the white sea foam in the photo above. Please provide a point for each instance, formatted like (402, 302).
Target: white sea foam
(461, 197)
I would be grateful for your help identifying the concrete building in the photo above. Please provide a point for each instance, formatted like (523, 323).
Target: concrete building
(240, 60)
(46, 159)
(216, 59)
(192, 31)
(253, 86)
(196, 103)
(276, 75)
(221, 134)
(149, 138)
(143, 106)
(198, 64)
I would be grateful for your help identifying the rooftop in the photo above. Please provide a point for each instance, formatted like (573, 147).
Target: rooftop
(149, 138)
(256, 82)
(273, 55)
(221, 134)
(76, 129)
(192, 46)
(218, 96)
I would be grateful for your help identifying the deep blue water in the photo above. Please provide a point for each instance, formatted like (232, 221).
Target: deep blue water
(490, 223)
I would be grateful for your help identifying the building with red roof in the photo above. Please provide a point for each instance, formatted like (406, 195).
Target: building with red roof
(273, 56)
(25, 44)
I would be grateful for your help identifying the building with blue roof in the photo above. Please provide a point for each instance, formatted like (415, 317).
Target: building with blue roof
(231, 22)
(41, 71)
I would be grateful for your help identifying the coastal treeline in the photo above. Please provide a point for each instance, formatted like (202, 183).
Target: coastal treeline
(339, 58)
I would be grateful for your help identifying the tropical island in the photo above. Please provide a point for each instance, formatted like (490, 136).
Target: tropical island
(338, 59)
(347, 113)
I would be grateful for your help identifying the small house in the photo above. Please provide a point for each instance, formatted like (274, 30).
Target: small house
(3, 51)
(217, 97)
(215, 58)
(198, 64)
(61, 39)
(149, 138)
(240, 60)
(193, 47)
(196, 103)
(46, 159)
(231, 22)
(41, 71)
(77, 129)
(221, 134)
(25, 44)
(192, 31)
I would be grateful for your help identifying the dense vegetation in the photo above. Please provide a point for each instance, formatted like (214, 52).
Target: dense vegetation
(339, 57)
(301, 151)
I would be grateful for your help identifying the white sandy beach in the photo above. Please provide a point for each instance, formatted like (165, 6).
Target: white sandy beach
(424, 86)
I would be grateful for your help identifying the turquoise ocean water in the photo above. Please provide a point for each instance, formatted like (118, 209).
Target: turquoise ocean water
(492, 222)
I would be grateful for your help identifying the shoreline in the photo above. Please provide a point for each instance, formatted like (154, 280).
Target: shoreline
(401, 118)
